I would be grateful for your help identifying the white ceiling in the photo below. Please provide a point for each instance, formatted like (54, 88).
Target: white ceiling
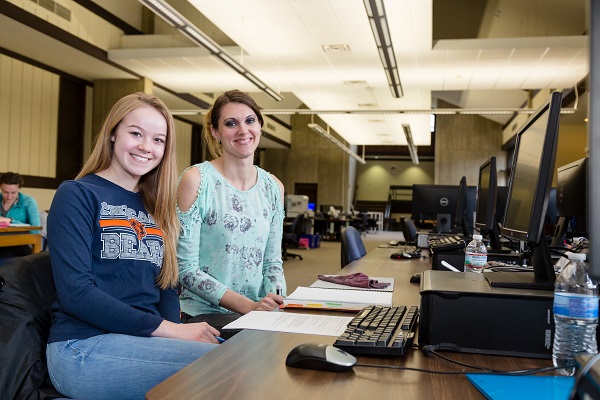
(518, 46)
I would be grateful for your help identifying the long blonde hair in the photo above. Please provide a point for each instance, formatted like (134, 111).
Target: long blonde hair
(158, 187)
(211, 119)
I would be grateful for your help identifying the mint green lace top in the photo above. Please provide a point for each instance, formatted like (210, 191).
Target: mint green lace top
(230, 239)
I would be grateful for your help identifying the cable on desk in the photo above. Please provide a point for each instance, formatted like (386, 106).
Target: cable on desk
(581, 374)
(429, 350)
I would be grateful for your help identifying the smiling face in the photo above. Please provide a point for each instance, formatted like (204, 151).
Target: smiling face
(238, 130)
(138, 145)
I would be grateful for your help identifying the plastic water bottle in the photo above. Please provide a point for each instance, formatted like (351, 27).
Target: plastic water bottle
(575, 314)
(475, 255)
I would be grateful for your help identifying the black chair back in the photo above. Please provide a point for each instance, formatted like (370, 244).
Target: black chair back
(26, 295)
(352, 247)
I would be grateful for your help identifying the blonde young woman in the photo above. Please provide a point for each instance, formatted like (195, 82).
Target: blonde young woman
(112, 235)
(231, 213)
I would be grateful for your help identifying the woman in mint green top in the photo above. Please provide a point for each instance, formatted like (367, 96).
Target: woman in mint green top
(231, 215)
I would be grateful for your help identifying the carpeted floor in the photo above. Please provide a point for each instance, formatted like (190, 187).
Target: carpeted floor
(325, 259)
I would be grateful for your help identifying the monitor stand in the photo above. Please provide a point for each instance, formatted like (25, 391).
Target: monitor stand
(517, 280)
(542, 278)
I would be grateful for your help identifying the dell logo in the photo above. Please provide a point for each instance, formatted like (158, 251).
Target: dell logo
(444, 201)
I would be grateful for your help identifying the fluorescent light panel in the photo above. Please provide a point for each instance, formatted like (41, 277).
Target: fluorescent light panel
(436, 111)
(383, 40)
(331, 138)
(178, 21)
(412, 149)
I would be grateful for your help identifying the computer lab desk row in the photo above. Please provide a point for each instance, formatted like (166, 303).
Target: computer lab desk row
(251, 365)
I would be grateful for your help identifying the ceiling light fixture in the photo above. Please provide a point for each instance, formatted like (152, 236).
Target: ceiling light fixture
(325, 133)
(412, 149)
(383, 40)
(436, 111)
(178, 21)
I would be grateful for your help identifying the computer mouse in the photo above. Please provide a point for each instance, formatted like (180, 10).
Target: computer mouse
(416, 278)
(401, 255)
(320, 356)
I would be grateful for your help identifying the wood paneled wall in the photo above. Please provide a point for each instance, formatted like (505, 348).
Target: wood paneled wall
(28, 118)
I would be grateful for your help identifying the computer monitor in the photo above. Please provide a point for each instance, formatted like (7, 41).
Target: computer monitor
(487, 194)
(529, 189)
(501, 199)
(439, 203)
(461, 218)
(571, 200)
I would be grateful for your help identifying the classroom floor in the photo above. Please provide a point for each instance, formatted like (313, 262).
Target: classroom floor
(325, 259)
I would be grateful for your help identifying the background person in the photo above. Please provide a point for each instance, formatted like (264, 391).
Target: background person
(16, 208)
(231, 213)
(112, 234)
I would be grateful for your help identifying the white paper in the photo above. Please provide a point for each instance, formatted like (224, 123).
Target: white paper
(320, 298)
(307, 324)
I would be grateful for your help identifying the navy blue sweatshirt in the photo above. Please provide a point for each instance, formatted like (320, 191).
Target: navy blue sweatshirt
(106, 253)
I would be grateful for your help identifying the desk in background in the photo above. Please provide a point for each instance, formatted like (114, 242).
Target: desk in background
(251, 365)
(330, 228)
(21, 235)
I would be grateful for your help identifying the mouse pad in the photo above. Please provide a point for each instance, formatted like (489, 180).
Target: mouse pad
(499, 387)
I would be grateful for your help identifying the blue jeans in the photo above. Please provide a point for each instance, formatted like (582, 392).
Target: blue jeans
(116, 366)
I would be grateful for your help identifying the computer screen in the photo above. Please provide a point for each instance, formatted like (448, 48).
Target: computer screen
(501, 198)
(439, 203)
(487, 194)
(529, 190)
(571, 200)
(461, 217)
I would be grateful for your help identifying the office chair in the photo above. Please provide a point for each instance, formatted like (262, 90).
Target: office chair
(292, 237)
(26, 294)
(410, 230)
(353, 247)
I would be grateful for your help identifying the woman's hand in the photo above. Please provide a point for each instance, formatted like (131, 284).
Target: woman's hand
(269, 302)
(197, 332)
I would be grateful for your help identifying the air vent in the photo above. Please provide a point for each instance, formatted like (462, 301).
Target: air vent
(335, 48)
(54, 7)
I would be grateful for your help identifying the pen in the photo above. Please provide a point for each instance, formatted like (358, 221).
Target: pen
(220, 339)
(278, 289)
(450, 267)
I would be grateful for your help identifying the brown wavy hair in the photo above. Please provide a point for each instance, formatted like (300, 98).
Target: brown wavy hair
(211, 119)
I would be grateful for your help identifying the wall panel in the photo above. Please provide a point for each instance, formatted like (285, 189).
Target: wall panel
(28, 118)
(184, 145)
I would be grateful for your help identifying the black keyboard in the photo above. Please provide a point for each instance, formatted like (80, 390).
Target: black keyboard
(444, 243)
(380, 330)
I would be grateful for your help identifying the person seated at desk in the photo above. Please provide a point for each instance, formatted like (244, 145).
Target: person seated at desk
(16, 208)
(231, 215)
(112, 234)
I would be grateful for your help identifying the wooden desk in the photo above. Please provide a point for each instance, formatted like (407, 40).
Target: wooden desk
(251, 365)
(20, 235)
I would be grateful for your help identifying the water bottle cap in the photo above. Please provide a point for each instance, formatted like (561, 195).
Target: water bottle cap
(477, 237)
(576, 256)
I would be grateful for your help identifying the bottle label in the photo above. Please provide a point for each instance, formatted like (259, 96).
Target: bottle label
(576, 305)
(475, 260)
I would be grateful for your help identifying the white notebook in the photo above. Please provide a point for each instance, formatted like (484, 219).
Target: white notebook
(351, 300)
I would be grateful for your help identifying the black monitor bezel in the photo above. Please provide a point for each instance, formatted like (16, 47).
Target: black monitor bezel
(543, 275)
(535, 225)
(487, 211)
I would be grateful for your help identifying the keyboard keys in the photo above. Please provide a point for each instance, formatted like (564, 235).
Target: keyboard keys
(380, 330)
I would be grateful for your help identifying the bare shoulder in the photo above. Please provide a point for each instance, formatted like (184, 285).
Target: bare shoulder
(187, 192)
(281, 188)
